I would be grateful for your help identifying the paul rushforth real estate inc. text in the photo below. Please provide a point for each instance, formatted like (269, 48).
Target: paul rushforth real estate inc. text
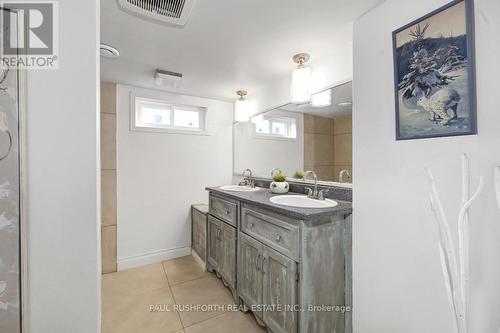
(254, 308)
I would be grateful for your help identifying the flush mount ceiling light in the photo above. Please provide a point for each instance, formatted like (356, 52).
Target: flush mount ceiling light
(243, 108)
(167, 78)
(109, 51)
(300, 85)
(322, 99)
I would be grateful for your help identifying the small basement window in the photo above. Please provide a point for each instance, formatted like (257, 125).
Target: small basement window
(277, 127)
(158, 115)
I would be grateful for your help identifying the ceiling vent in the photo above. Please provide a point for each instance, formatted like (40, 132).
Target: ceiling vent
(174, 12)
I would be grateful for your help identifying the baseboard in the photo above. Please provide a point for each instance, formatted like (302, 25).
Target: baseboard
(198, 260)
(151, 257)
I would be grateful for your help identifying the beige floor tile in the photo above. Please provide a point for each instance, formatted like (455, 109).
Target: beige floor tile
(183, 269)
(205, 291)
(134, 281)
(108, 248)
(323, 125)
(123, 313)
(108, 197)
(308, 123)
(108, 97)
(342, 125)
(108, 141)
(343, 149)
(227, 323)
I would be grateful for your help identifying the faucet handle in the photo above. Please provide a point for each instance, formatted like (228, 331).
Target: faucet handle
(310, 192)
(323, 193)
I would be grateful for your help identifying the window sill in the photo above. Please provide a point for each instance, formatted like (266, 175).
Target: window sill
(275, 138)
(169, 131)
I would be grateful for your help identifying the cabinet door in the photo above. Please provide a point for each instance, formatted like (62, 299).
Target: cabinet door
(199, 233)
(228, 255)
(214, 242)
(249, 274)
(279, 291)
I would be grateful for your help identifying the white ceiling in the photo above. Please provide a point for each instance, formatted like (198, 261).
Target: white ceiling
(227, 44)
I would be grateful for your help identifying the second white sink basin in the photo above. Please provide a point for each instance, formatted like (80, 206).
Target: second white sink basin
(302, 201)
(237, 188)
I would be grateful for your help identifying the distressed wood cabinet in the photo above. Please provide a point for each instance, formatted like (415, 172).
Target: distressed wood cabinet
(214, 242)
(199, 230)
(249, 274)
(222, 240)
(279, 291)
(288, 269)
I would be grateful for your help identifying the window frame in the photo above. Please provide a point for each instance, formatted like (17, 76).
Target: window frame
(276, 119)
(171, 129)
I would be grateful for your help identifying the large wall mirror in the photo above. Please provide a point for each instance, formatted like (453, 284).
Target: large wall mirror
(296, 138)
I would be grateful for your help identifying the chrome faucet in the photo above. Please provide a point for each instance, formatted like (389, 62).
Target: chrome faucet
(275, 169)
(342, 174)
(313, 193)
(247, 180)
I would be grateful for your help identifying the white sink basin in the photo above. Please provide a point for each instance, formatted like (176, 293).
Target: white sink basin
(237, 188)
(302, 201)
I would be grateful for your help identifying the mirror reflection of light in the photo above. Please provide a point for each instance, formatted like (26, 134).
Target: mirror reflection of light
(322, 99)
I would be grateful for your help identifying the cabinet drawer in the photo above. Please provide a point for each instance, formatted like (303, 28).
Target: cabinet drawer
(271, 229)
(224, 209)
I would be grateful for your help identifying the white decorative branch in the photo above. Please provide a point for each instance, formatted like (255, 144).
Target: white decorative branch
(455, 270)
(463, 237)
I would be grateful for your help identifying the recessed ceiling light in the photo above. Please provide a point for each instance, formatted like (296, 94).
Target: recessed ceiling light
(345, 104)
(108, 51)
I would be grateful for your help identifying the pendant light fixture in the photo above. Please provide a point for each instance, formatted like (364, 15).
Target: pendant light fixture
(300, 85)
(242, 107)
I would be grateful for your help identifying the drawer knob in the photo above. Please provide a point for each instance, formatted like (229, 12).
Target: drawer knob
(228, 212)
(251, 225)
(277, 238)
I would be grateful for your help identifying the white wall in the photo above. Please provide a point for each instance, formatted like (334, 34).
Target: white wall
(160, 175)
(262, 154)
(63, 180)
(398, 284)
(326, 72)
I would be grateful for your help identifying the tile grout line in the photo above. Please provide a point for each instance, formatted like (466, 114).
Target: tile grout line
(172, 293)
(198, 278)
(204, 320)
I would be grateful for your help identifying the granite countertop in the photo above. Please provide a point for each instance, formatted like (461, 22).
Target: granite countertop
(261, 198)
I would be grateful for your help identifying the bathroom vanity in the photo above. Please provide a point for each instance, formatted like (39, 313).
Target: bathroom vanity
(290, 266)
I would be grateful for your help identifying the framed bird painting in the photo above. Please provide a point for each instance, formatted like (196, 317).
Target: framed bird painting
(434, 74)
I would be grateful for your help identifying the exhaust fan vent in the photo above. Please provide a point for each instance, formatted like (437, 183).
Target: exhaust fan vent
(175, 12)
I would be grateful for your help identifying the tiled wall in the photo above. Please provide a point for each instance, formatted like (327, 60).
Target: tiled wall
(327, 145)
(108, 176)
(342, 142)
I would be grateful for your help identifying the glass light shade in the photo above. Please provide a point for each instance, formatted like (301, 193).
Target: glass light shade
(300, 86)
(243, 109)
(322, 99)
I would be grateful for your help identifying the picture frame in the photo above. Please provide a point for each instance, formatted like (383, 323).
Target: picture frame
(434, 74)
(14, 286)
